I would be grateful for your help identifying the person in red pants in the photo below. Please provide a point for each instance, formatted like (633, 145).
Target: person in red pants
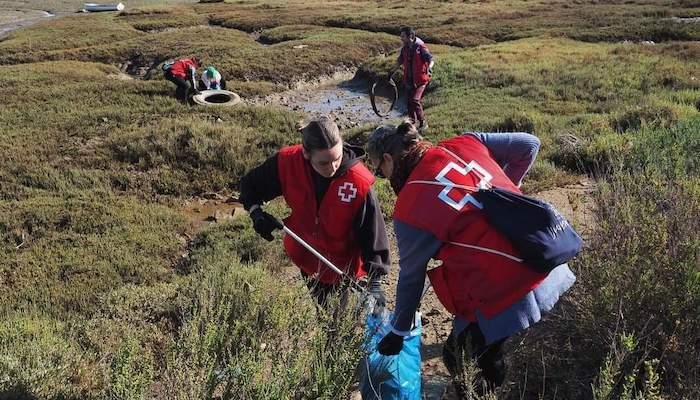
(417, 64)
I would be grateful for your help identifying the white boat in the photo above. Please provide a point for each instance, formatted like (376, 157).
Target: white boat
(95, 7)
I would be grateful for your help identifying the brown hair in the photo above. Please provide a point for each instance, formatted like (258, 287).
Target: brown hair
(320, 134)
(408, 31)
(405, 145)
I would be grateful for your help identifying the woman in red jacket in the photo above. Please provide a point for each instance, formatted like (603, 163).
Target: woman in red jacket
(182, 73)
(334, 209)
(480, 281)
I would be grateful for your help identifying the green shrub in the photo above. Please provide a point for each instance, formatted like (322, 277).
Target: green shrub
(519, 122)
(38, 360)
(655, 115)
(131, 373)
(247, 336)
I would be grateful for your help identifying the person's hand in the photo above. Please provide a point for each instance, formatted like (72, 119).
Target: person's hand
(264, 223)
(390, 345)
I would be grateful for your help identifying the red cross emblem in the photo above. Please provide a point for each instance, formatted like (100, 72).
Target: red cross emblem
(347, 192)
(446, 195)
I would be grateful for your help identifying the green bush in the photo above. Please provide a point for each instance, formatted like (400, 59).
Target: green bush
(38, 360)
(245, 335)
(131, 373)
(655, 115)
(637, 274)
(519, 122)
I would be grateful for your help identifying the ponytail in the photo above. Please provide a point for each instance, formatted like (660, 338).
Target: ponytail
(320, 134)
(405, 145)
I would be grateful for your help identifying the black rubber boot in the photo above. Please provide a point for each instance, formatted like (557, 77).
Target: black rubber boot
(453, 353)
(489, 360)
(453, 356)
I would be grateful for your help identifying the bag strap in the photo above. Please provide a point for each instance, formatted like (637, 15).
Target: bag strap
(436, 183)
(488, 250)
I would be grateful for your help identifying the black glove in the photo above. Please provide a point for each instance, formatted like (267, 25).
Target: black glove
(264, 223)
(391, 344)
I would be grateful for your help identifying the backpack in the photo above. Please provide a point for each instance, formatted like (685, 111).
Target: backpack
(542, 236)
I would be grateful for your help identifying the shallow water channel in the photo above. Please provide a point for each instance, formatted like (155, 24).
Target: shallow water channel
(11, 20)
(344, 98)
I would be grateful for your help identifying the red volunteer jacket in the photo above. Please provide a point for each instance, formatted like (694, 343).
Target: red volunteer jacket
(478, 270)
(181, 67)
(327, 227)
(411, 57)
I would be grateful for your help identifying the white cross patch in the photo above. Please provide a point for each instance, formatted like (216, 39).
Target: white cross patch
(347, 192)
(474, 167)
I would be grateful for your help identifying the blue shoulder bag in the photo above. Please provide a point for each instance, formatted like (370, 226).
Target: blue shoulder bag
(542, 236)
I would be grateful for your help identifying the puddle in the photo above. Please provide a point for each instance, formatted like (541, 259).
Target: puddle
(343, 98)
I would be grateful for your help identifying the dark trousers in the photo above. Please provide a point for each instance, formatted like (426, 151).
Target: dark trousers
(470, 343)
(320, 291)
(415, 105)
(183, 86)
(323, 293)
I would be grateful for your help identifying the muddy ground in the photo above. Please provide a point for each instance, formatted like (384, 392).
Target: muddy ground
(341, 96)
(13, 19)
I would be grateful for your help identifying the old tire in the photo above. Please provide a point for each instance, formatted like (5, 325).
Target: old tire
(219, 98)
(383, 86)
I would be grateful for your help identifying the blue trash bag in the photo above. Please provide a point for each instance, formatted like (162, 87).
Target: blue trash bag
(390, 377)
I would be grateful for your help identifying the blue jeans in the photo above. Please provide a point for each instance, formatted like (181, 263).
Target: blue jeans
(515, 152)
